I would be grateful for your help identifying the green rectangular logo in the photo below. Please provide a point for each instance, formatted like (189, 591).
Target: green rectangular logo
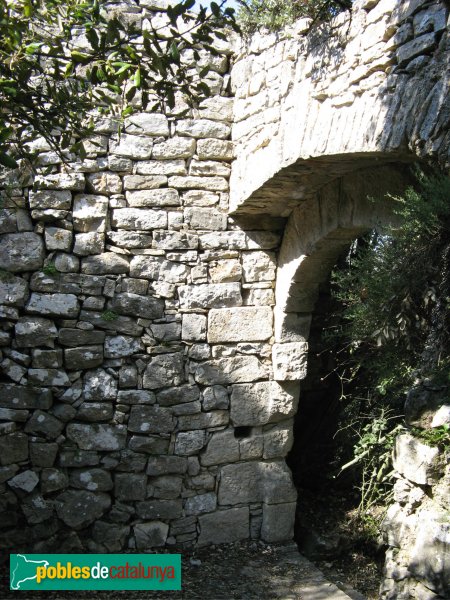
(95, 572)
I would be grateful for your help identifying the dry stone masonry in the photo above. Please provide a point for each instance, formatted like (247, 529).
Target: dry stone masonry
(153, 338)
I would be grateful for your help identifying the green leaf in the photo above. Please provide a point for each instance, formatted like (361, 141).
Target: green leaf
(7, 161)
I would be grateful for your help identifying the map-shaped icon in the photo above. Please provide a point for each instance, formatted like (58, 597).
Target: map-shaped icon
(24, 570)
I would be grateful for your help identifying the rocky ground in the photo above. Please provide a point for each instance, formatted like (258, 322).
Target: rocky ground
(240, 571)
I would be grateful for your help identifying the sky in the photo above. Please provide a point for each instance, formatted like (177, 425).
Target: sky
(230, 3)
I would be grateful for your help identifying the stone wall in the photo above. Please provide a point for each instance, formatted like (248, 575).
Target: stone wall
(150, 368)
(311, 107)
(416, 528)
(137, 402)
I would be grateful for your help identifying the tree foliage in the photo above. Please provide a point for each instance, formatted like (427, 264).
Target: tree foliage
(275, 14)
(60, 59)
(395, 294)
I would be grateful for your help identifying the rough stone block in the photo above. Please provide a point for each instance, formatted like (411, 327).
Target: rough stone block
(59, 200)
(190, 442)
(239, 324)
(130, 486)
(35, 331)
(150, 419)
(133, 146)
(149, 444)
(150, 535)
(214, 149)
(205, 218)
(13, 291)
(21, 252)
(225, 526)
(78, 337)
(214, 418)
(42, 423)
(264, 402)
(213, 184)
(290, 361)
(216, 295)
(79, 508)
(222, 448)
(417, 461)
(89, 243)
(258, 266)
(278, 440)
(203, 128)
(13, 448)
(48, 377)
(139, 218)
(419, 45)
(94, 480)
(176, 147)
(269, 482)
(57, 238)
(106, 263)
(159, 509)
(99, 385)
(58, 305)
(148, 198)
(164, 370)
(203, 503)
(97, 436)
(119, 346)
(151, 124)
(83, 357)
(238, 369)
(95, 411)
(138, 306)
(278, 522)
(193, 328)
(89, 213)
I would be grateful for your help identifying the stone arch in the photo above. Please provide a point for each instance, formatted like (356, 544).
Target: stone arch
(317, 233)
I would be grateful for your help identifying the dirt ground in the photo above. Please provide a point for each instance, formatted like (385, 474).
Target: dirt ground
(239, 571)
